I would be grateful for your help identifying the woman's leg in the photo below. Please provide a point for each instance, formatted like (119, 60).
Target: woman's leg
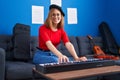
(41, 57)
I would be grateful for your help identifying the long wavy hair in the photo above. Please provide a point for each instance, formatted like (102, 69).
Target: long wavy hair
(49, 23)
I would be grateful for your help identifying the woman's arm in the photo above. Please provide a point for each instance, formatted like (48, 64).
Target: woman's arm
(72, 51)
(52, 48)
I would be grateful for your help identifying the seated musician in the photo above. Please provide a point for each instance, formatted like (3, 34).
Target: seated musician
(50, 35)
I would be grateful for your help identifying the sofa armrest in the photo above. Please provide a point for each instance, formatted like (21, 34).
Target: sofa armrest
(2, 64)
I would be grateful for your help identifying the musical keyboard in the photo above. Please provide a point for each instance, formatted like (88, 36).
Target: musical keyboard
(73, 65)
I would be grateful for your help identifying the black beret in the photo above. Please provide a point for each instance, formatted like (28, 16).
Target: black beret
(56, 7)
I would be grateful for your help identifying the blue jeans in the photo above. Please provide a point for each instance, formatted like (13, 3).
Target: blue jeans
(42, 57)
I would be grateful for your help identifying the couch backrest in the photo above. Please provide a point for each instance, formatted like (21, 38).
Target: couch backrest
(33, 45)
(82, 45)
(86, 47)
(17, 46)
(6, 44)
(63, 49)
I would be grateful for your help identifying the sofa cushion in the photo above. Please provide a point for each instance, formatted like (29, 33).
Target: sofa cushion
(18, 70)
(63, 49)
(33, 45)
(86, 47)
(6, 44)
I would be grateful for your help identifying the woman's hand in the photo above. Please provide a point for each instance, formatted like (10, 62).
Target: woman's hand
(81, 59)
(63, 58)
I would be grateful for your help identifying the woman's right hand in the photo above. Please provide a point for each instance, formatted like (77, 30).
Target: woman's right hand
(63, 58)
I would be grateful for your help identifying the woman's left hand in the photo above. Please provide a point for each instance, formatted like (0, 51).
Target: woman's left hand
(81, 59)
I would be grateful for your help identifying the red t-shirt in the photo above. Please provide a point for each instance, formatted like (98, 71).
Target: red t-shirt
(46, 34)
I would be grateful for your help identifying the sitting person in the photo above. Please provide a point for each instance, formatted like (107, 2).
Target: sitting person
(50, 35)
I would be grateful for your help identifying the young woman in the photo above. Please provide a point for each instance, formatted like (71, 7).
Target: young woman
(50, 35)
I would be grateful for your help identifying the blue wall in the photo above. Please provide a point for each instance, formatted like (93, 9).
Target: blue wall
(90, 15)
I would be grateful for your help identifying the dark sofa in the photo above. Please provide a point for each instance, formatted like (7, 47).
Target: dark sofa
(14, 69)
(21, 69)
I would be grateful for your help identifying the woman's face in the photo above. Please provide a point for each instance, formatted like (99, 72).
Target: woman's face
(56, 16)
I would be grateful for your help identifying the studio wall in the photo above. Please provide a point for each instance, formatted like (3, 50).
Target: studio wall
(90, 13)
